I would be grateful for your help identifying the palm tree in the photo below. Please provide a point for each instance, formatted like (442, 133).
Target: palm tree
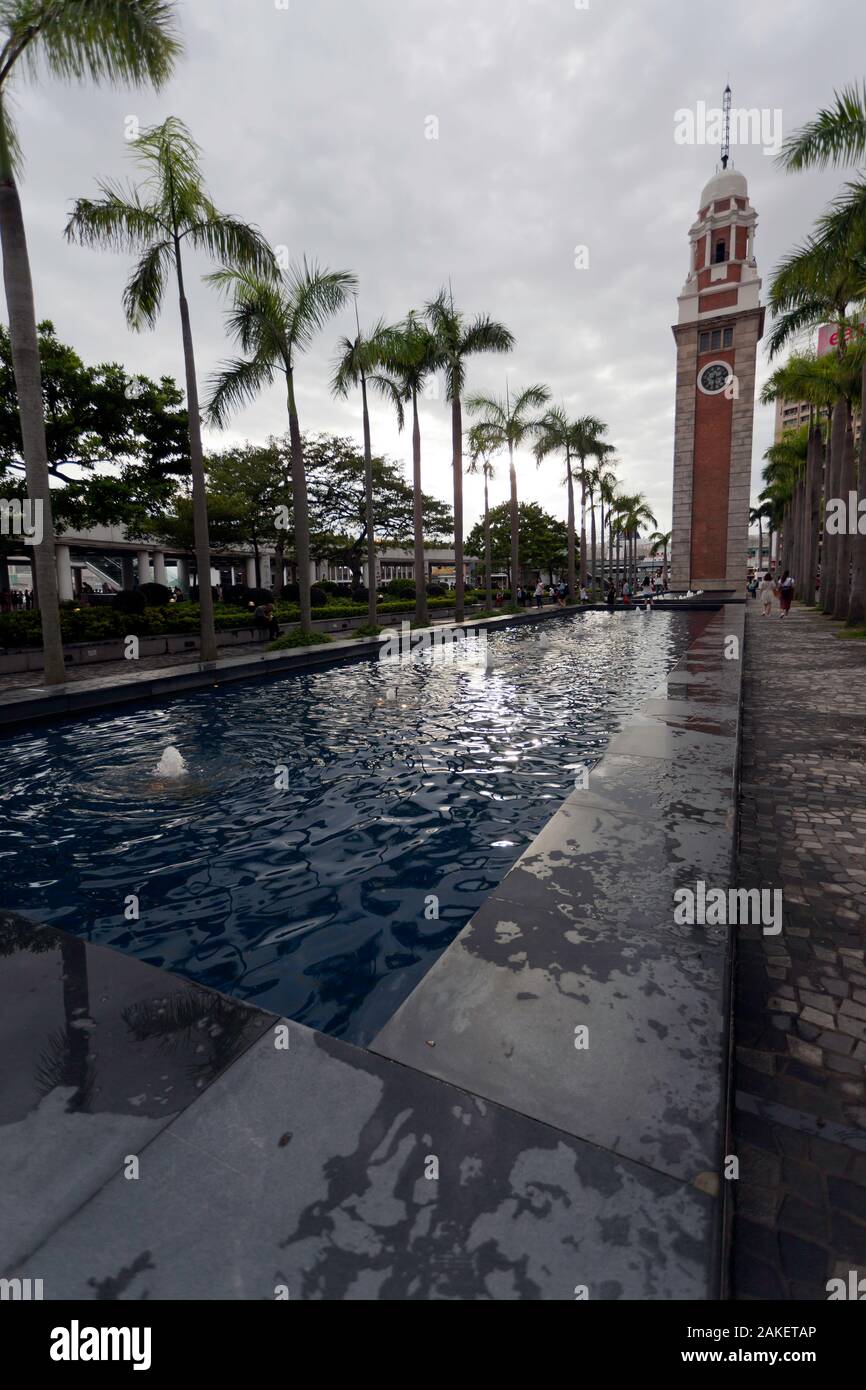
(756, 518)
(617, 525)
(819, 381)
(479, 462)
(132, 42)
(837, 136)
(506, 424)
(358, 359)
(588, 443)
(171, 207)
(410, 359)
(555, 436)
(606, 482)
(808, 288)
(661, 541)
(633, 512)
(784, 477)
(456, 341)
(612, 497)
(274, 321)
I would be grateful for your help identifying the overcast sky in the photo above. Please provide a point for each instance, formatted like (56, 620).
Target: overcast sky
(555, 130)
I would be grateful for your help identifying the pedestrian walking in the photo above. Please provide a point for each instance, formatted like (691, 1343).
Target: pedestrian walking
(786, 594)
(767, 589)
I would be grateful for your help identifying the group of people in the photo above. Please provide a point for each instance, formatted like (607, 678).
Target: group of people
(16, 600)
(630, 594)
(767, 588)
(558, 593)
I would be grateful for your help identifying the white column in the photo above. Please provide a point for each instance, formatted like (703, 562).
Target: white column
(159, 567)
(62, 560)
(183, 575)
(251, 572)
(144, 566)
(312, 571)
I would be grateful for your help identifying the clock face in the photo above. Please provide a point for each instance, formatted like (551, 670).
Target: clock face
(714, 378)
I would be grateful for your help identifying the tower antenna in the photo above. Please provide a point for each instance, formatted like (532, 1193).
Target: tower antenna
(726, 108)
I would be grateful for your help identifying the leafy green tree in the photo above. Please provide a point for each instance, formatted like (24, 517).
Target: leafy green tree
(131, 41)
(96, 419)
(170, 208)
(274, 321)
(456, 342)
(505, 425)
(336, 474)
(252, 484)
(543, 538)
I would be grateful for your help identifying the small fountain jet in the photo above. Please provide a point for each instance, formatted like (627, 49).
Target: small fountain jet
(171, 764)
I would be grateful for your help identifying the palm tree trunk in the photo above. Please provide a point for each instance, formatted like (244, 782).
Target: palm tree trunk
(422, 616)
(582, 522)
(838, 430)
(457, 465)
(572, 563)
(847, 483)
(760, 554)
(28, 385)
(601, 539)
(368, 508)
(592, 536)
(207, 641)
(300, 508)
(488, 553)
(515, 524)
(857, 606)
(813, 511)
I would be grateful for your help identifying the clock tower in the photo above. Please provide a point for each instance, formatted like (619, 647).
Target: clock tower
(719, 325)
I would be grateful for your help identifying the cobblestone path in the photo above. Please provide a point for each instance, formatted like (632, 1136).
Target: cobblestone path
(800, 997)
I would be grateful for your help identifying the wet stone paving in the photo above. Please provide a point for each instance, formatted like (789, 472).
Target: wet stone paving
(800, 1001)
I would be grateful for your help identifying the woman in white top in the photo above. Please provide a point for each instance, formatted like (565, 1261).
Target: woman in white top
(766, 592)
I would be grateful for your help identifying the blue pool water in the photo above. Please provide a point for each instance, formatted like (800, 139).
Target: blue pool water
(404, 782)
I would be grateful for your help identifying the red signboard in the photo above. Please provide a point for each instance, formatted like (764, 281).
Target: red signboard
(828, 336)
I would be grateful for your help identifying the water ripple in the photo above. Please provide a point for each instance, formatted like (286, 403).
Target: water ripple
(403, 781)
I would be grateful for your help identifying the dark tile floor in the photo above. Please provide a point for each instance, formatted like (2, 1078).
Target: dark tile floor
(100, 1053)
(800, 1119)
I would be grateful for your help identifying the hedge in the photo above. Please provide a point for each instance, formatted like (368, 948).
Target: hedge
(100, 624)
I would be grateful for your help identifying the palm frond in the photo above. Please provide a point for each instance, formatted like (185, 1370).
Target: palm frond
(236, 243)
(391, 390)
(142, 296)
(486, 335)
(133, 43)
(120, 219)
(236, 384)
(314, 296)
(837, 135)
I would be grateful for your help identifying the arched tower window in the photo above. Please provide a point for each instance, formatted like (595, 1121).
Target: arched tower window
(719, 253)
